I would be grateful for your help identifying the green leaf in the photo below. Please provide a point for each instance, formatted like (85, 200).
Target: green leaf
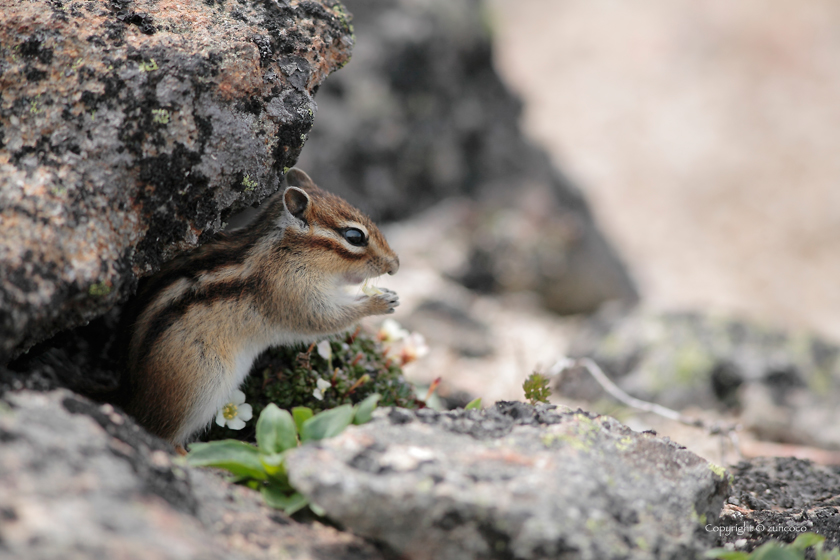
(290, 503)
(301, 414)
(474, 404)
(235, 456)
(364, 410)
(806, 540)
(833, 554)
(273, 464)
(774, 551)
(317, 510)
(723, 554)
(327, 424)
(275, 430)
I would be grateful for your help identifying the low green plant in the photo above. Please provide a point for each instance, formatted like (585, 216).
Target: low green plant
(774, 550)
(288, 377)
(536, 388)
(263, 467)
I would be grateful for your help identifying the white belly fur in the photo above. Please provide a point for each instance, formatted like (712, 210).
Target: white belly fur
(226, 382)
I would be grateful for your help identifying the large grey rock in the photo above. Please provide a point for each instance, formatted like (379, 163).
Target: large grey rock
(419, 115)
(785, 384)
(79, 481)
(130, 129)
(513, 482)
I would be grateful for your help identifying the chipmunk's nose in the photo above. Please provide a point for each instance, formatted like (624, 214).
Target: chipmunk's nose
(393, 265)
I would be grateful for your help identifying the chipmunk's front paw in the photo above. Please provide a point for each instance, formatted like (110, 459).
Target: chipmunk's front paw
(384, 302)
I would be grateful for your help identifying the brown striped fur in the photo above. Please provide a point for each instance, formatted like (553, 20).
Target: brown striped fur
(204, 317)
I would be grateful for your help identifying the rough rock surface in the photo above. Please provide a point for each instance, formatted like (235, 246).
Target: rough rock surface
(513, 481)
(78, 480)
(785, 384)
(780, 498)
(130, 128)
(420, 114)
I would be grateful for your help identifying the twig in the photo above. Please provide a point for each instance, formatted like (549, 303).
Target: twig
(598, 374)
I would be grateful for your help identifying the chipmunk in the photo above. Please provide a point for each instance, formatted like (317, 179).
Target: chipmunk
(281, 280)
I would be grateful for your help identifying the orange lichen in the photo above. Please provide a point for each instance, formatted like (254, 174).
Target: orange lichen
(240, 75)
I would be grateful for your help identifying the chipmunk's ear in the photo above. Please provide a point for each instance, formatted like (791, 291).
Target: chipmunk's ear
(297, 178)
(296, 201)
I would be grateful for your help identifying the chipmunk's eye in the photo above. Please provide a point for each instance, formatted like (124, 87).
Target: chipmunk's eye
(355, 236)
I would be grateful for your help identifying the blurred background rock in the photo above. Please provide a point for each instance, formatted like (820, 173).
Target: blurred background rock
(420, 114)
(702, 135)
(705, 137)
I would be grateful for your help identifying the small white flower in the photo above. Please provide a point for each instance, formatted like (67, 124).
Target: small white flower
(235, 413)
(400, 344)
(391, 331)
(323, 385)
(392, 350)
(414, 348)
(324, 349)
